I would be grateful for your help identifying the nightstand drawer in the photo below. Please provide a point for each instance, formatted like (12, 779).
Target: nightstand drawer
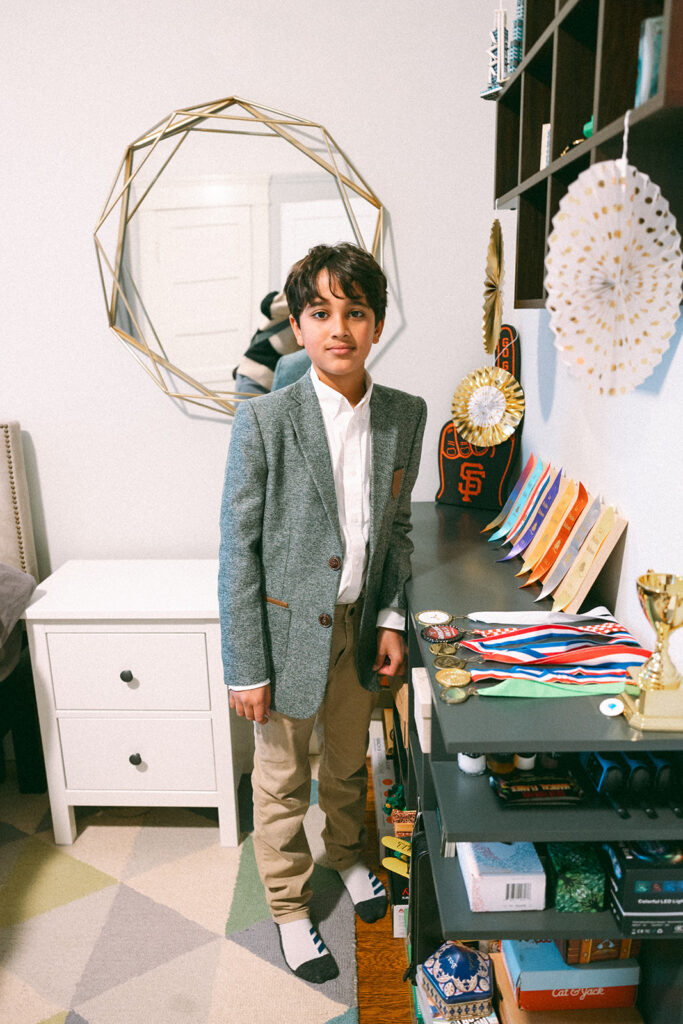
(129, 671)
(167, 754)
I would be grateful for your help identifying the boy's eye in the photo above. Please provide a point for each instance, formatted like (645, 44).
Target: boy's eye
(319, 314)
(357, 314)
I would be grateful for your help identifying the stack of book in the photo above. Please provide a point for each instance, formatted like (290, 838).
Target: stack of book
(645, 887)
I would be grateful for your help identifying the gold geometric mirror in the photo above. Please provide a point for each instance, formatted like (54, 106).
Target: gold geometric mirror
(208, 211)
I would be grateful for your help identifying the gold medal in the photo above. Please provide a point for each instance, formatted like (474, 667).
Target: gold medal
(442, 648)
(448, 661)
(453, 677)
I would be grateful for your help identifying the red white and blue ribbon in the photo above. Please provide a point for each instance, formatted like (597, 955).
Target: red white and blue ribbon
(575, 674)
(556, 644)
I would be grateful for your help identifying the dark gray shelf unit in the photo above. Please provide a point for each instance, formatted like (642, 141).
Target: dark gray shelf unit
(470, 812)
(580, 60)
(459, 922)
(455, 569)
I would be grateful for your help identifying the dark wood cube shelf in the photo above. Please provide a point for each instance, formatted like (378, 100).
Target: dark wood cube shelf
(581, 62)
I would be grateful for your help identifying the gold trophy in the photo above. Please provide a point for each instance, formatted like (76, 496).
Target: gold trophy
(659, 705)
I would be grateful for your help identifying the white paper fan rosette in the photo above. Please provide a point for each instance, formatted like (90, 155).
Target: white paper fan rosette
(488, 405)
(613, 276)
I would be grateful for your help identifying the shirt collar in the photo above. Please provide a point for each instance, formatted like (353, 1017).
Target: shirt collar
(333, 402)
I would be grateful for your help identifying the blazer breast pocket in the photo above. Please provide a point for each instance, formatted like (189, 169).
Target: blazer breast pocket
(396, 483)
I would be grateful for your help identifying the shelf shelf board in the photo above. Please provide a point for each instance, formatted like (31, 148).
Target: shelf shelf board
(471, 813)
(459, 922)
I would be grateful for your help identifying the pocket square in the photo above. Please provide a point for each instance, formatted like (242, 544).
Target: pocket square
(396, 483)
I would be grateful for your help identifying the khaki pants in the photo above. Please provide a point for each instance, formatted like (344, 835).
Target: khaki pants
(282, 780)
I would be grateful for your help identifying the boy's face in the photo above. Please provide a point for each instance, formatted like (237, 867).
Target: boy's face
(338, 332)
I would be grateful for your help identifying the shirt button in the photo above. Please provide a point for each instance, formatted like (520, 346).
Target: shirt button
(325, 619)
(334, 562)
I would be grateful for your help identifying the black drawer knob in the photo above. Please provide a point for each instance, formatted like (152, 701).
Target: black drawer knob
(135, 759)
(127, 675)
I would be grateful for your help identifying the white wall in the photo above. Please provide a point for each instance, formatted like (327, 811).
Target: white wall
(118, 469)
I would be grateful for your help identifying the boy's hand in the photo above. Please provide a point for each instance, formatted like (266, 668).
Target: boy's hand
(252, 704)
(391, 652)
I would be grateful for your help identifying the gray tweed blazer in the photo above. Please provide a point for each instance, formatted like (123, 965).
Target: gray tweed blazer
(281, 546)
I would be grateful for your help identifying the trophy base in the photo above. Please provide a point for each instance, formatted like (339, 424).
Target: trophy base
(660, 710)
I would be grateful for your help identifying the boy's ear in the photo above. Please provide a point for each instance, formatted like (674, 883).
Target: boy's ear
(379, 327)
(297, 331)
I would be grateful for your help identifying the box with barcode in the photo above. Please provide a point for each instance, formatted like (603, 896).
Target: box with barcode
(502, 876)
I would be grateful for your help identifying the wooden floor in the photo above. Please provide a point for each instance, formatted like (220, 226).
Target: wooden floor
(383, 997)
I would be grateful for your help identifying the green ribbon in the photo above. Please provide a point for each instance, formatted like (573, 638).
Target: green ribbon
(538, 688)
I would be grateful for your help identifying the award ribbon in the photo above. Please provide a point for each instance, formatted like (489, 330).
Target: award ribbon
(546, 563)
(514, 493)
(547, 688)
(541, 513)
(581, 568)
(520, 503)
(531, 506)
(538, 548)
(562, 567)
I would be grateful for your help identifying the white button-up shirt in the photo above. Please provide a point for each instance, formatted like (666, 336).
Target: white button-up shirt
(349, 440)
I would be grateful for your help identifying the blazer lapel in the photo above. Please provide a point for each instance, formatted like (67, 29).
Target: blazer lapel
(384, 440)
(307, 420)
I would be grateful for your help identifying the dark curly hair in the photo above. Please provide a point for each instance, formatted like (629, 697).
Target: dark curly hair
(352, 268)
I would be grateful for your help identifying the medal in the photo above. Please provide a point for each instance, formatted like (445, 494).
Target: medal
(433, 617)
(448, 677)
(454, 695)
(442, 648)
(441, 633)
(448, 661)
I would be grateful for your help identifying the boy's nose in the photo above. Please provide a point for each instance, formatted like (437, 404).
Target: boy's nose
(338, 326)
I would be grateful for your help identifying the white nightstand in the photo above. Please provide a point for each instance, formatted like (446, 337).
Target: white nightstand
(129, 683)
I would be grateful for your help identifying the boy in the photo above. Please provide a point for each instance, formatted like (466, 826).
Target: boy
(314, 558)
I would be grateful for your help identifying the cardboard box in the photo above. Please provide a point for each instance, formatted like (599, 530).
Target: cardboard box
(388, 720)
(383, 778)
(502, 876)
(399, 689)
(588, 951)
(422, 708)
(541, 980)
(646, 923)
(510, 1013)
(646, 876)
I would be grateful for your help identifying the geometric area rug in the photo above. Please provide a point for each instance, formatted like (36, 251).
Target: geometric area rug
(146, 919)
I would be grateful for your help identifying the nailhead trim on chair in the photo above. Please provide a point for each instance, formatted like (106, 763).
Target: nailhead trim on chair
(13, 493)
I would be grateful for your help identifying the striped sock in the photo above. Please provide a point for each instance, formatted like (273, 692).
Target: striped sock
(367, 892)
(306, 954)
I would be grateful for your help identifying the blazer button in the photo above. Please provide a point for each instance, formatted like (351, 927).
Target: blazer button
(334, 562)
(325, 619)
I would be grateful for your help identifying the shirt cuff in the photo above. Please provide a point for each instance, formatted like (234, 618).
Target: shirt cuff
(391, 618)
(253, 686)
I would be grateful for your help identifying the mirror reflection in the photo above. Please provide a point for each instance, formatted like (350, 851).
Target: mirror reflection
(209, 211)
